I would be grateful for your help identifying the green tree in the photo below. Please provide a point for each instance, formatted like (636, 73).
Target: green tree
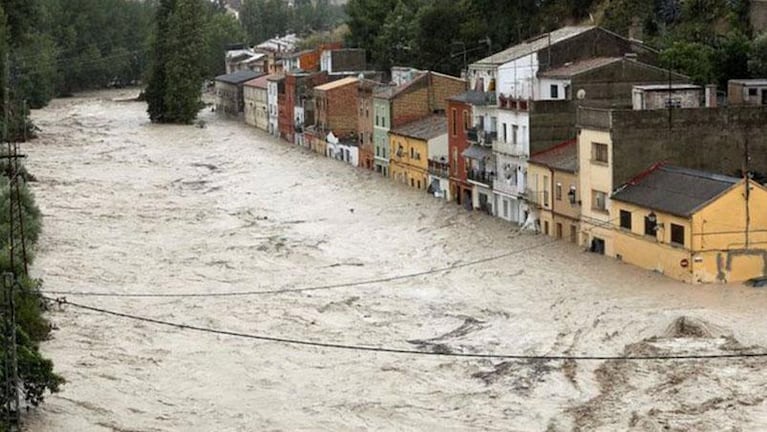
(221, 30)
(396, 43)
(730, 58)
(692, 59)
(757, 62)
(157, 74)
(184, 68)
(264, 19)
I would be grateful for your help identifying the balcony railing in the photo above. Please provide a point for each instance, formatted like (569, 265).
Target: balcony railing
(509, 102)
(439, 169)
(479, 136)
(479, 176)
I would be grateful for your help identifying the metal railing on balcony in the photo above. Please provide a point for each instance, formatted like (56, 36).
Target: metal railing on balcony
(439, 169)
(480, 176)
(482, 137)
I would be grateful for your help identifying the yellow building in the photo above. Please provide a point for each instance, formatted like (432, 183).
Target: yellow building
(553, 181)
(596, 184)
(691, 225)
(409, 150)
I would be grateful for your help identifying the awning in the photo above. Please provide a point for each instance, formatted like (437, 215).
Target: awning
(477, 152)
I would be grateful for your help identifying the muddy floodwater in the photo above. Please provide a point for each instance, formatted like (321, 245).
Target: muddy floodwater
(131, 207)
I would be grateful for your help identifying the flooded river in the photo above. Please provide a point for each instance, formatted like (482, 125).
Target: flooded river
(131, 207)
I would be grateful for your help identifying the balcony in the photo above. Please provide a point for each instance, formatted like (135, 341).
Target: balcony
(483, 177)
(508, 102)
(439, 169)
(482, 137)
(507, 187)
(539, 198)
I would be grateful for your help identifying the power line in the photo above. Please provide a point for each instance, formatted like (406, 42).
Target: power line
(381, 349)
(310, 288)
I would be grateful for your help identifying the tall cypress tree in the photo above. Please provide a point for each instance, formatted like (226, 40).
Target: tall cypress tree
(175, 79)
(155, 90)
(184, 69)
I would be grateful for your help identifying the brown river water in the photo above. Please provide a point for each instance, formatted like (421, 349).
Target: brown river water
(131, 207)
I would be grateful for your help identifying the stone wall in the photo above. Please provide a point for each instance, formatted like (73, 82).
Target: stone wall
(710, 139)
(551, 123)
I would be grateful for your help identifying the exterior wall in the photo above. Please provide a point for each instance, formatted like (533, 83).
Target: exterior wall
(719, 237)
(256, 107)
(551, 122)
(545, 89)
(539, 196)
(595, 176)
(228, 99)
(708, 139)
(564, 207)
(382, 123)
(410, 106)
(460, 189)
(657, 99)
(339, 112)
(299, 138)
(517, 78)
(738, 94)
(365, 116)
(654, 253)
(284, 123)
(288, 119)
(273, 108)
(442, 88)
(412, 171)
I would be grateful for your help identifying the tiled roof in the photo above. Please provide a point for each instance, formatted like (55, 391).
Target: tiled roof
(572, 69)
(563, 157)
(238, 77)
(423, 129)
(259, 82)
(476, 98)
(674, 190)
(336, 84)
(534, 45)
(390, 92)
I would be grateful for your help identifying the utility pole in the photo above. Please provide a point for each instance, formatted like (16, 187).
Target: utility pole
(747, 176)
(11, 402)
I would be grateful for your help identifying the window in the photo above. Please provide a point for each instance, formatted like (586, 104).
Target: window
(650, 226)
(505, 208)
(598, 201)
(599, 152)
(455, 122)
(546, 191)
(559, 192)
(554, 91)
(376, 120)
(677, 234)
(514, 130)
(412, 153)
(752, 92)
(559, 230)
(455, 161)
(625, 219)
(573, 234)
(546, 227)
(505, 137)
(465, 120)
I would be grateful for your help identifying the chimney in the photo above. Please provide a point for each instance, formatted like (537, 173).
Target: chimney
(711, 96)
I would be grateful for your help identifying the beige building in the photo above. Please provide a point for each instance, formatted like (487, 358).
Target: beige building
(747, 92)
(596, 184)
(554, 190)
(229, 92)
(256, 104)
(691, 225)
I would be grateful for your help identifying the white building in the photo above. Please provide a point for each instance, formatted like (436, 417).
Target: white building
(517, 77)
(345, 151)
(272, 90)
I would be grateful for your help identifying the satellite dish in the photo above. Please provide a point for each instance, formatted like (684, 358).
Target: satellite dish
(581, 94)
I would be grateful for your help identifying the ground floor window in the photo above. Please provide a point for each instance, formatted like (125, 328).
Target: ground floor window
(573, 234)
(559, 230)
(546, 227)
(677, 234)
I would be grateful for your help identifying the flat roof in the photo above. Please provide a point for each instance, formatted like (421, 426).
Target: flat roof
(666, 87)
(749, 82)
(338, 83)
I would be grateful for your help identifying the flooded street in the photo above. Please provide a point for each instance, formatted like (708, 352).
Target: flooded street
(131, 207)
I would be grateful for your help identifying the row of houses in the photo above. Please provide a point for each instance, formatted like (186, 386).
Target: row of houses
(576, 134)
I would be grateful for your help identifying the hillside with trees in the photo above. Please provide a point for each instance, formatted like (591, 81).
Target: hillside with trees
(710, 40)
